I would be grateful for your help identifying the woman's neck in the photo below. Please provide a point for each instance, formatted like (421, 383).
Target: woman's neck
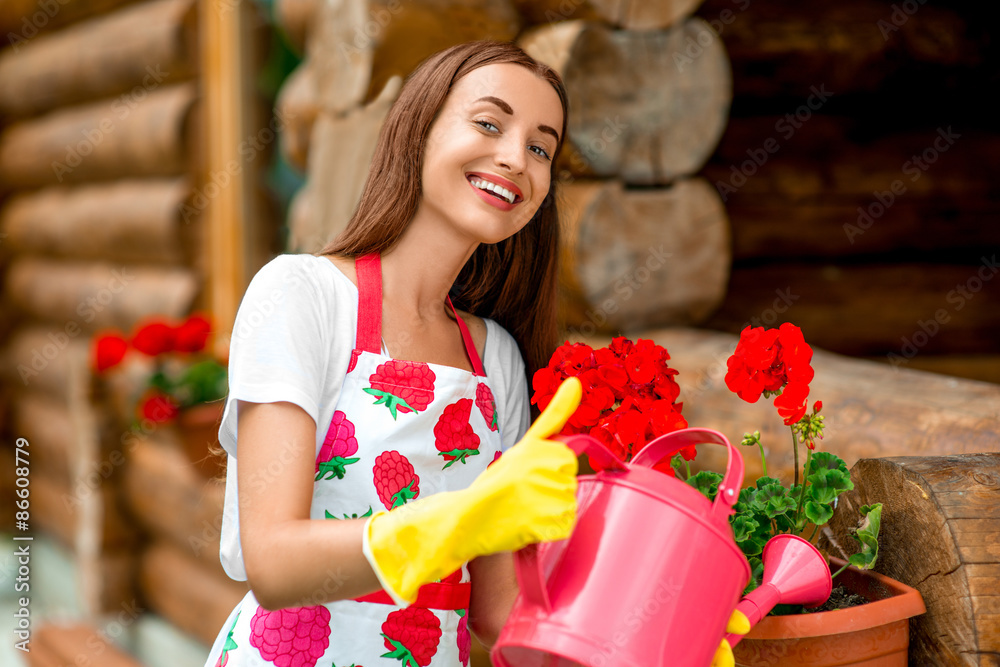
(420, 269)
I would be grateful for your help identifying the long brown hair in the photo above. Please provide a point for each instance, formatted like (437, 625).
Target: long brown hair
(512, 282)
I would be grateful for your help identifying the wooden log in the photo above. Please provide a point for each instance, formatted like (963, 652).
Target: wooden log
(296, 18)
(357, 46)
(128, 221)
(940, 534)
(23, 20)
(49, 360)
(641, 258)
(298, 103)
(97, 295)
(871, 409)
(142, 134)
(47, 424)
(78, 644)
(636, 111)
(136, 48)
(185, 592)
(85, 511)
(907, 309)
(783, 49)
(343, 147)
(649, 15)
(172, 500)
(817, 192)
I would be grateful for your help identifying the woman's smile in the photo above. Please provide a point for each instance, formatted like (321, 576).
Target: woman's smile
(495, 191)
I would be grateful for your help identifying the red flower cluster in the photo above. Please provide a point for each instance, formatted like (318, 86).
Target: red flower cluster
(773, 360)
(629, 393)
(153, 339)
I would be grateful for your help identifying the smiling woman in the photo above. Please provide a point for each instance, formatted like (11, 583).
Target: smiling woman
(366, 389)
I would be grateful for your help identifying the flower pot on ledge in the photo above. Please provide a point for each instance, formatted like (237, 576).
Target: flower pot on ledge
(198, 427)
(876, 634)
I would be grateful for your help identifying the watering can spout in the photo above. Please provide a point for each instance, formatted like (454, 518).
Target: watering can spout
(795, 572)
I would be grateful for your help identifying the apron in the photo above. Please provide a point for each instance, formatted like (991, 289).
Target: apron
(401, 430)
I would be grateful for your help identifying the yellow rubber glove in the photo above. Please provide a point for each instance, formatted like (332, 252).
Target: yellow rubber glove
(739, 624)
(527, 496)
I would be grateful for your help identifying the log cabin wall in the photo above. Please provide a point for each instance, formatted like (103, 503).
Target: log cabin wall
(96, 159)
(858, 170)
(104, 193)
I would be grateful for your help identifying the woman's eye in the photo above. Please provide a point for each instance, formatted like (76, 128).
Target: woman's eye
(540, 151)
(487, 125)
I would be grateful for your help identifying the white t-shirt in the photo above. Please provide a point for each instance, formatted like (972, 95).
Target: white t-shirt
(292, 341)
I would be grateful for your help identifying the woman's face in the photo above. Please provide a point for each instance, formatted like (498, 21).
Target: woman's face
(488, 159)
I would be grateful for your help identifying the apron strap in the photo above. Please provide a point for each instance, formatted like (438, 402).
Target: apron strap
(369, 270)
(441, 596)
(470, 347)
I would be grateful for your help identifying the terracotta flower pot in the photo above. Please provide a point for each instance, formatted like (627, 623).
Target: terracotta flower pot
(876, 634)
(199, 430)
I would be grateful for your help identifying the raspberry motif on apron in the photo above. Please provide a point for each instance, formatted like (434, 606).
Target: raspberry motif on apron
(406, 386)
(464, 638)
(395, 480)
(411, 636)
(453, 434)
(293, 637)
(339, 444)
(487, 406)
(229, 645)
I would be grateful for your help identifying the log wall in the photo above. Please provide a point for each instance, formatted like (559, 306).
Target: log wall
(855, 170)
(100, 166)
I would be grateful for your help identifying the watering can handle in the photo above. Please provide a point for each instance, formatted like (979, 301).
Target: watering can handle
(667, 445)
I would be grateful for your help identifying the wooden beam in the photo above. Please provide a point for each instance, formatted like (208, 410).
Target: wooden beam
(225, 184)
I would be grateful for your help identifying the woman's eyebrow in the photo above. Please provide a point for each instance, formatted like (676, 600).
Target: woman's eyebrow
(507, 109)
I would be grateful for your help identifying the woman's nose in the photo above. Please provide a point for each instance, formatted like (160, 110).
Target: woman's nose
(511, 154)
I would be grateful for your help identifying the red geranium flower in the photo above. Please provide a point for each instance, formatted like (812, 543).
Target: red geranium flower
(154, 338)
(772, 360)
(628, 397)
(158, 408)
(109, 350)
(192, 334)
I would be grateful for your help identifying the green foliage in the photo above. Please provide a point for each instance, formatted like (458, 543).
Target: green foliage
(867, 535)
(706, 482)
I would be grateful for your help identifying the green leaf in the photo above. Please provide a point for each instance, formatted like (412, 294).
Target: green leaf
(745, 500)
(756, 574)
(203, 382)
(706, 482)
(767, 481)
(753, 531)
(867, 535)
(774, 500)
(826, 461)
(818, 513)
(826, 484)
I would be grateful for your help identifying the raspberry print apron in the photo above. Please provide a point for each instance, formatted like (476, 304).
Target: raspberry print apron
(401, 430)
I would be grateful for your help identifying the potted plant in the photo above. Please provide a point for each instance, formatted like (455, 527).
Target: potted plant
(185, 385)
(630, 398)
(867, 617)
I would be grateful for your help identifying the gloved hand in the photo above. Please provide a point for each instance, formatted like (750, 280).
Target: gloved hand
(739, 624)
(528, 495)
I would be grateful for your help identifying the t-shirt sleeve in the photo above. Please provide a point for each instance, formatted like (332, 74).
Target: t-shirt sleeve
(277, 352)
(504, 355)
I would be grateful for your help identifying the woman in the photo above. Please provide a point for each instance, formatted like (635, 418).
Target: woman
(357, 387)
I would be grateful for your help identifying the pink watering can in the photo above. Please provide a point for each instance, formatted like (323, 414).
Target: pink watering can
(649, 577)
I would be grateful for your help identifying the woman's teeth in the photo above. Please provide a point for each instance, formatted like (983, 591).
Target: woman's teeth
(494, 188)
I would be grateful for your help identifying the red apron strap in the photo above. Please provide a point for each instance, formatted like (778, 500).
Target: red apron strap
(369, 270)
(470, 347)
(441, 596)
